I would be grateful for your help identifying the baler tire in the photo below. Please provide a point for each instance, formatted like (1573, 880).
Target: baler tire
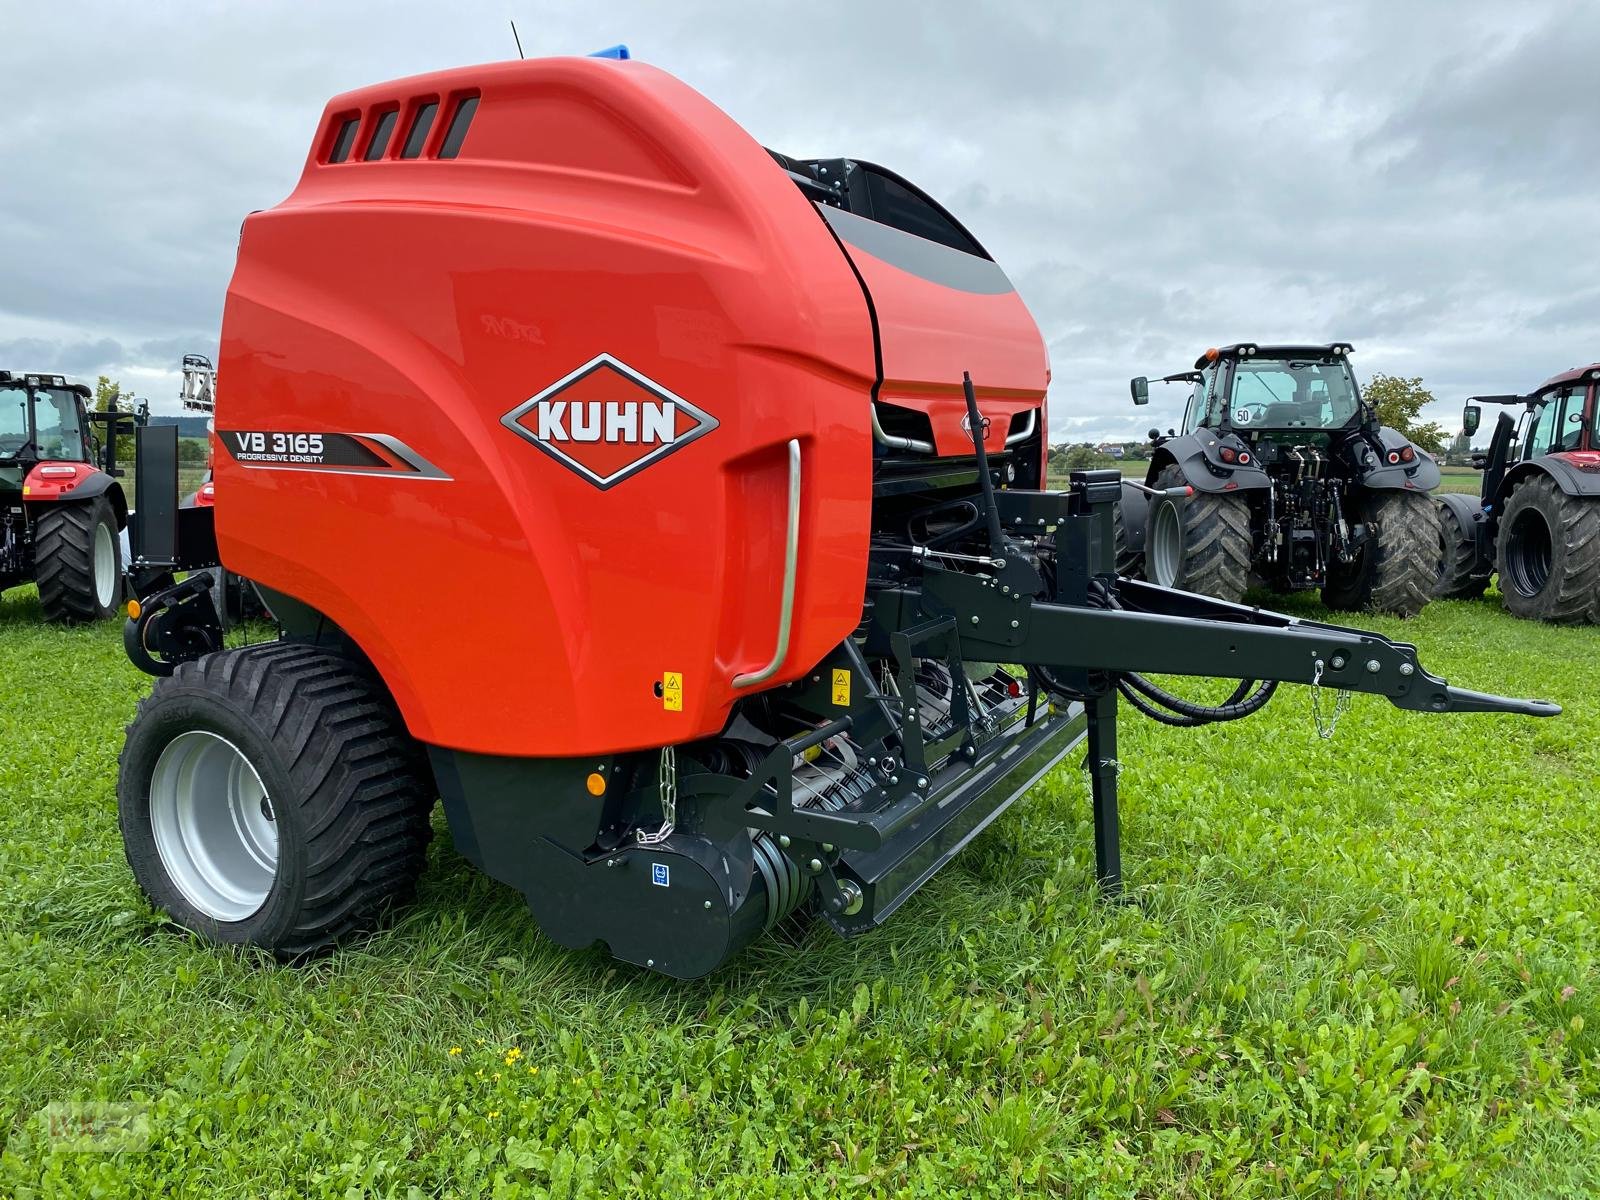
(70, 556)
(1458, 575)
(1559, 583)
(1217, 542)
(346, 790)
(1399, 567)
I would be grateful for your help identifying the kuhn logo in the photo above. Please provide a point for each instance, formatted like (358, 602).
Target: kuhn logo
(606, 421)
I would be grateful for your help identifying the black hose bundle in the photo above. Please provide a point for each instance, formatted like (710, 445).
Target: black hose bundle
(1158, 704)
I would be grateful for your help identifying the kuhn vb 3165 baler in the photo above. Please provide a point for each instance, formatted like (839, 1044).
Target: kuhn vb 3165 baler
(617, 479)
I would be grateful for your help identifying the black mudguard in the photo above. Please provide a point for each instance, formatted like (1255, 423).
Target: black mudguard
(1422, 475)
(1570, 479)
(1135, 516)
(1203, 469)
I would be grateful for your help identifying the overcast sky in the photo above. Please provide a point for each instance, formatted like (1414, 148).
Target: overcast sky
(1422, 180)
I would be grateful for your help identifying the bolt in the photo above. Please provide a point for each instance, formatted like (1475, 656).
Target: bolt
(708, 904)
(894, 779)
(853, 898)
(1006, 589)
(922, 783)
(815, 865)
(649, 962)
(974, 618)
(611, 862)
(1373, 666)
(1014, 624)
(783, 840)
(816, 679)
(1406, 668)
(1339, 661)
(827, 847)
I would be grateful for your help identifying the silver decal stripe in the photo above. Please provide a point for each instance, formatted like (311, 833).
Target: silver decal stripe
(918, 256)
(326, 454)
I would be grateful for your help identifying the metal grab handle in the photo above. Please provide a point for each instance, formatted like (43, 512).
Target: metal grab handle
(1026, 431)
(791, 559)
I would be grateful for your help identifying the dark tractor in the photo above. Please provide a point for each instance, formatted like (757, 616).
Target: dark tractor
(1537, 518)
(1281, 475)
(60, 513)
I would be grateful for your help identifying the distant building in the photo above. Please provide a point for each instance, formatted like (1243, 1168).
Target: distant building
(1113, 449)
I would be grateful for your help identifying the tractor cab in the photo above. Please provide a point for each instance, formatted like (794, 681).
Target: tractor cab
(1284, 391)
(43, 418)
(1559, 420)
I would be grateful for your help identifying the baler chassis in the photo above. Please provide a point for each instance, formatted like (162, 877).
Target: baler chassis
(896, 758)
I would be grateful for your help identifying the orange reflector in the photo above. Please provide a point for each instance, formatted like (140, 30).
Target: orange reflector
(1211, 354)
(134, 609)
(596, 784)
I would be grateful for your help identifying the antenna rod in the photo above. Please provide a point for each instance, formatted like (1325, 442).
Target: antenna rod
(517, 39)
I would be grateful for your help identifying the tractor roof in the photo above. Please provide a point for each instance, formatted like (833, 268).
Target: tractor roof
(46, 379)
(1570, 375)
(1561, 379)
(1252, 350)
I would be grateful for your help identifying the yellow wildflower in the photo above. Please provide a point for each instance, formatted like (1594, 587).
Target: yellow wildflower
(454, 1050)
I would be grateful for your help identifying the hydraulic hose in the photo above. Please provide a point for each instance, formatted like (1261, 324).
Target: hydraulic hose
(1249, 697)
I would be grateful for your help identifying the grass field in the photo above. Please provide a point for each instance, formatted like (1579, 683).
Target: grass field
(1358, 967)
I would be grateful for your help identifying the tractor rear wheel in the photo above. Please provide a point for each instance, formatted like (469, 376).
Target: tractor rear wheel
(1549, 554)
(77, 559)
(1202, 545)
(1129, 562)
(1459, 576)
(1398, 565)
(270, 796)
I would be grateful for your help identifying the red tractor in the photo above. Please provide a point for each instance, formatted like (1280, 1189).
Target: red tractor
(61, 514)
(734, 458)
(1537, 517)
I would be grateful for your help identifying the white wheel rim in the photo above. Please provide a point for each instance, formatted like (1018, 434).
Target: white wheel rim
(105, 566)
(214, 826)
(1166, 543)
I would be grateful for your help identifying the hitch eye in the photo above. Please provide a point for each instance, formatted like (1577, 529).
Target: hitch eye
(1407, 454)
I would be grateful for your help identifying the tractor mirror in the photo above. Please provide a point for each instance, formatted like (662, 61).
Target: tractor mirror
(1471, 415)
(1154, 434)
(1140, 388)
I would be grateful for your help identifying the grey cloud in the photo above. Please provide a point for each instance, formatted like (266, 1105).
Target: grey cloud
(1156, 177)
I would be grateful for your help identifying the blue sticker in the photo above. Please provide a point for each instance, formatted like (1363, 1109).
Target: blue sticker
(659, 875)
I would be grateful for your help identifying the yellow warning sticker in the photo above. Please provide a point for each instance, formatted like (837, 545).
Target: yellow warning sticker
(841, 686)
(672, 691)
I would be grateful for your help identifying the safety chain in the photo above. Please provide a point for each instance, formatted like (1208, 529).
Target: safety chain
(667, 784)
(1341, 705)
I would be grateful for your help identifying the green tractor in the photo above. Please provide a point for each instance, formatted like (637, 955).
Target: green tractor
(61, 514)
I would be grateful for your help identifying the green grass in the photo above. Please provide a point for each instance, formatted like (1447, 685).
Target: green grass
(1358, 967)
